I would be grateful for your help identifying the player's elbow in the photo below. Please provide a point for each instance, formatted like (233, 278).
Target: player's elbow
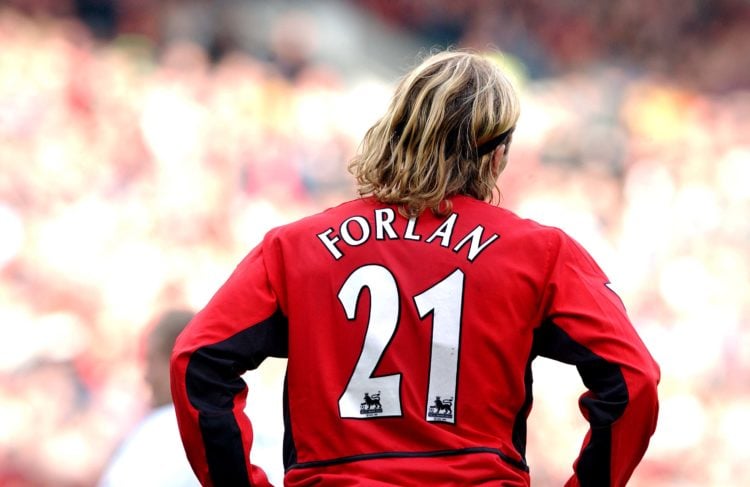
(644, 394)
(647, 393)
(650, 377)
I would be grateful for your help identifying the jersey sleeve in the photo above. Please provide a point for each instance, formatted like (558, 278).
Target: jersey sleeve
(240, 327)
(586, 325)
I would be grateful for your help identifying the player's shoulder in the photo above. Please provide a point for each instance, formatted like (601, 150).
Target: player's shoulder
(323, 218)
(554, 240)
(509, 223)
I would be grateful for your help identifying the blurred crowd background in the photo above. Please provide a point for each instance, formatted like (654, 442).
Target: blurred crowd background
(145, 147)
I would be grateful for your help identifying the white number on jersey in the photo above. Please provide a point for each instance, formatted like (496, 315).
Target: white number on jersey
(366, 396)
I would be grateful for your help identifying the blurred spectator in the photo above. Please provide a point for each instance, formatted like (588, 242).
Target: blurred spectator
(101, 16)
(152, 454)
(672, 38)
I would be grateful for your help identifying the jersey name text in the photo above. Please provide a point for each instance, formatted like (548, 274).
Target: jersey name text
(357, 230)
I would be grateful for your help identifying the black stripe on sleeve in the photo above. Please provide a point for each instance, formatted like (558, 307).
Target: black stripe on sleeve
(213, 379)
(289, 448)
(604, 405)
(519, 424)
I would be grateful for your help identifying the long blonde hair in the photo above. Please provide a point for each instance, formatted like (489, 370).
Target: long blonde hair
(431, 143)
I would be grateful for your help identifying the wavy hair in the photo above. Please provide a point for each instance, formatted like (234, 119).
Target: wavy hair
(436, 139)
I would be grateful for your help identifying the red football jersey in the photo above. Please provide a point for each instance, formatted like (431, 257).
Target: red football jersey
(409, 345)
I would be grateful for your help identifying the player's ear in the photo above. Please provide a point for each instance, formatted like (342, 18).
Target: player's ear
(499, 159)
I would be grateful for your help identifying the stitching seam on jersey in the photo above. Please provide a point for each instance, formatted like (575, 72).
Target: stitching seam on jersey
(521, 465)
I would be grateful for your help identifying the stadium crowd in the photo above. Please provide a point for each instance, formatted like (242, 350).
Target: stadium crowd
(131, 182)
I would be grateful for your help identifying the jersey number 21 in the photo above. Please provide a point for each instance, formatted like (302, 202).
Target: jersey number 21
(366, 396)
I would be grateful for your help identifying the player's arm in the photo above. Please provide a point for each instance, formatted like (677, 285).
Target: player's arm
(239, 328)
(586, 325)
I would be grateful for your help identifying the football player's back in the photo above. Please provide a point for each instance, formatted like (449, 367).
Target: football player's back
(409, 338)
(410, 317)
